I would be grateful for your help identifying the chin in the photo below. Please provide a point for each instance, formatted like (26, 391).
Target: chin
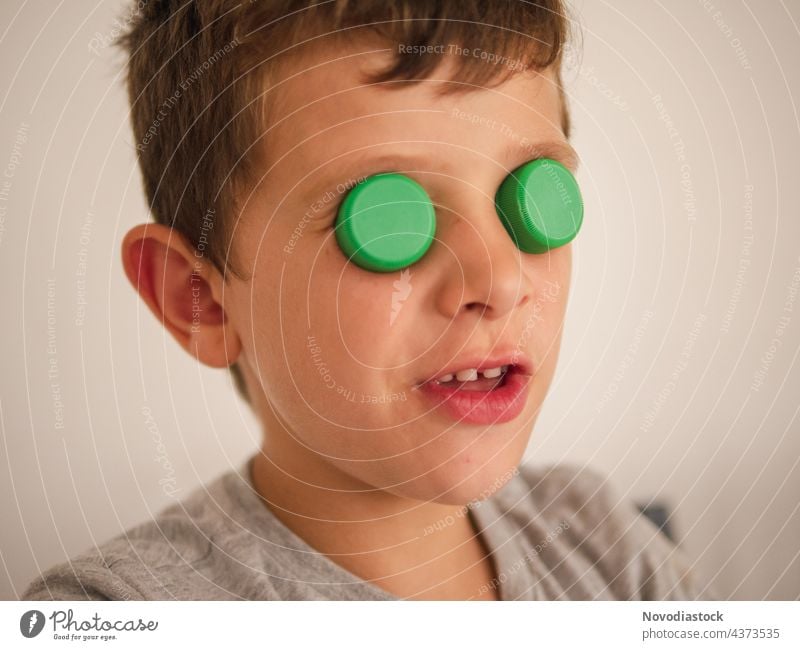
(459, 487)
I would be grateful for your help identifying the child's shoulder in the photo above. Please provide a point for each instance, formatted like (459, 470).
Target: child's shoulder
(183, 553)
(580, 520)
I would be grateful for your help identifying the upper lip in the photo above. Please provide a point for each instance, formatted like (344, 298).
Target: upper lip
(521, 362)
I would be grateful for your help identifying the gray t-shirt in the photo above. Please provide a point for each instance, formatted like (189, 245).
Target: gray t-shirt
(556, 532)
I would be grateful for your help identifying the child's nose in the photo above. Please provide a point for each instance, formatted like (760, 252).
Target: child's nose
(482, 271)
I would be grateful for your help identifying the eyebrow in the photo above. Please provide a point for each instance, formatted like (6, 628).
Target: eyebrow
(558, 150)
(361, 164)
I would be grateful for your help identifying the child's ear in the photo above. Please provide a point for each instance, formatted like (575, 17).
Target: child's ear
(183, 290)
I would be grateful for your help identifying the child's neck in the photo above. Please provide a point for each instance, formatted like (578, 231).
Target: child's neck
(411, 548)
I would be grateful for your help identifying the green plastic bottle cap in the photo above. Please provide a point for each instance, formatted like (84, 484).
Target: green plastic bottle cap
(540, 205)
(386, 222)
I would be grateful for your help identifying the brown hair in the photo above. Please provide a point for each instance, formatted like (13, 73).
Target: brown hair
(197, 74)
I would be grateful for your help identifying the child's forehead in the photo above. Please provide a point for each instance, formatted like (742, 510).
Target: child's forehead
(325, 107)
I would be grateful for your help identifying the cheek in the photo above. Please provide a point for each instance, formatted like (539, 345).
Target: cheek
(351, 311)
(337, 303)
(323, 338)
(551, 277)
(550, 303)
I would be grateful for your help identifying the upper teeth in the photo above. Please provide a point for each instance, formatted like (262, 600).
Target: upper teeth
(471, 374)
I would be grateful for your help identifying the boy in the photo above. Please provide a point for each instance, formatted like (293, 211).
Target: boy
(253, 121)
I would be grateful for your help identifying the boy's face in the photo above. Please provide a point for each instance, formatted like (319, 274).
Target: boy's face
(341, 352)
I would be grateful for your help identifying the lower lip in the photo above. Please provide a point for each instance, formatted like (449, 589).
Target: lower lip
(495, 406)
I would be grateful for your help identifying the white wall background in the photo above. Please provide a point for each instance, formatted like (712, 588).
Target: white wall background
(678, 372)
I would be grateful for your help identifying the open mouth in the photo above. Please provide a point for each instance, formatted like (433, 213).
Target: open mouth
(476, 380)
(487, 394)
